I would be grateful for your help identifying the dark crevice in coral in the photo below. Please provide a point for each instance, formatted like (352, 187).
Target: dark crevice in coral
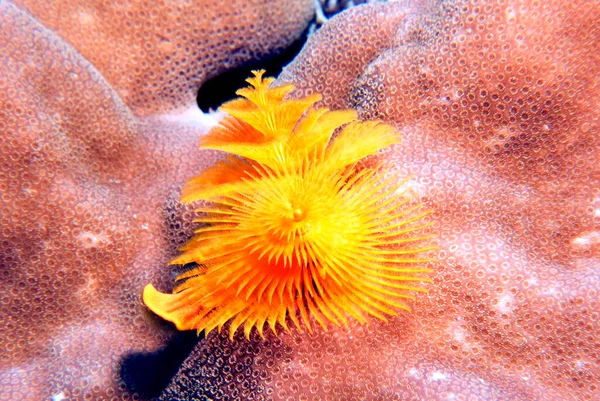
(330, 8)
(230, 370)
(220, 89)
(149, 373)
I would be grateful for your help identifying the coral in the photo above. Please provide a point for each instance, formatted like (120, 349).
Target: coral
(88, 190)
(296, 224)
(496, 102)
(156, 54)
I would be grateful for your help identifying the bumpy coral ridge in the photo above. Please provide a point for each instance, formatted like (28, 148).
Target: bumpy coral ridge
(294, 225)
(156, 54)
(89, 209)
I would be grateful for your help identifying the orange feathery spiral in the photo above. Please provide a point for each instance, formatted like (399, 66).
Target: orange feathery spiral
(293, 227)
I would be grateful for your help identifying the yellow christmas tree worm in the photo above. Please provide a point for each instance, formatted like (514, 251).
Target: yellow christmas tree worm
(293, 228)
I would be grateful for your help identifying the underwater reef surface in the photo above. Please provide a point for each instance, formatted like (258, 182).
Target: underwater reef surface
(497, 103)
(99, 130)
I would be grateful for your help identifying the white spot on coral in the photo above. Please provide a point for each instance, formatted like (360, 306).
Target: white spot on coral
(85, 17)
(596, 203)
(438, 376)
(510, 14)
(30, 191)
(532, 282)
(458, 333)
(522, 193)
(505, 303)
(586, 240)
(194, 117)
(412, 188)
(59, 397)
(549, 291)
(90, 240)
(90, 287)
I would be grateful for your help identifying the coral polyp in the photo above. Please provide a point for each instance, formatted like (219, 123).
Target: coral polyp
(292, 225)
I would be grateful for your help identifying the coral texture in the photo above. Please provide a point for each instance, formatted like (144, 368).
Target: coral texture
(156, 54)
(295, 224)
(88, 208)
(497, 103)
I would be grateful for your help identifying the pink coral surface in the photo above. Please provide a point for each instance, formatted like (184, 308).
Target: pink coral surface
(497, 102)
(498, 105)
(99, 130)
